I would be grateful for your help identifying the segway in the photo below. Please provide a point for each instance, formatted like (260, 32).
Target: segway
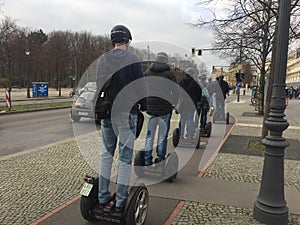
(166, 169)
(219, 119)
(135, 211)
(207, 130)
(177, 141)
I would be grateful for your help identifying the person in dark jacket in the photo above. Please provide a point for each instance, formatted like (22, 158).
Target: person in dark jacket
(162, 88)
(221, 93)
(203, 104)
(187, 105)
(121, 68)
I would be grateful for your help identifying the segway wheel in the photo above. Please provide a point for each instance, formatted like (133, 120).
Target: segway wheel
(171, 167)
(137, 206)
(139, 162)
(227, 118)
(208, 129)
(87, 204)
(198, 136)
(176, 136)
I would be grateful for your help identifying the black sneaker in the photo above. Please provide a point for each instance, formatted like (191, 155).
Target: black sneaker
(157, 160)
(120, 209)
(148, 164)
(106, 205)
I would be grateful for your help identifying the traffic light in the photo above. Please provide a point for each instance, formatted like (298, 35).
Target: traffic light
(193, 52)
(242, 75)
(238, 77)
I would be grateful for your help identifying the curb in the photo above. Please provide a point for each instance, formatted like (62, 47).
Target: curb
(202, 172)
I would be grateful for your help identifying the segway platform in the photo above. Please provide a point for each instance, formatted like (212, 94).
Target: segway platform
(177, 141)
(207, 130)
(135, 211)
(166, 169)
(220, 120)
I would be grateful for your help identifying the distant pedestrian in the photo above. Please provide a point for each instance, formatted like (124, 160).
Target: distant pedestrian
(159, 110)
(291, 92)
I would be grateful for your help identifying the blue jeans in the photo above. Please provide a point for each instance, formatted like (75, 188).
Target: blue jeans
(163, 123)
(187, 122)
(124, 129)
(203, 115)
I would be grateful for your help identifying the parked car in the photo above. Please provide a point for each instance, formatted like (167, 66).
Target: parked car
(83, 106)
(89, 86)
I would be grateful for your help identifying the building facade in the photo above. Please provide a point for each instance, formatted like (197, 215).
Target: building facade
(293, 69)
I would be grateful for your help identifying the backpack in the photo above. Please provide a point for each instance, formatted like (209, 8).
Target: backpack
(104, 102)
(205, 92)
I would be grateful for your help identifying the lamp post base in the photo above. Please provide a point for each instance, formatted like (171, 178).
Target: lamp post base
(270, 214)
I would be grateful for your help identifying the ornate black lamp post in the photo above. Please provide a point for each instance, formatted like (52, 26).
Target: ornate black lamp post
(270, 206)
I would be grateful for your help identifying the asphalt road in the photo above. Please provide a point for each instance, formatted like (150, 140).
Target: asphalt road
(24, 131)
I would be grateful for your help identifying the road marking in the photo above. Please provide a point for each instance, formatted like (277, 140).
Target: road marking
(248, 125)
(260, 125)
(46, 216)
(174, 213)
(240, 102)
(202, 172)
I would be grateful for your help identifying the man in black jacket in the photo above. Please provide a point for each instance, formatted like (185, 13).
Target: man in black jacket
(162, 87)
(221, 92)
(188, 104)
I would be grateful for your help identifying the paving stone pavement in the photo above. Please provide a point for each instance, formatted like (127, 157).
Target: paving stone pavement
(241, 168)
(39, 181)
(36, 182)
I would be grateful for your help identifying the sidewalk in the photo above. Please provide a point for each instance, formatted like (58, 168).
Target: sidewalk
(40, 180)
(226, 193)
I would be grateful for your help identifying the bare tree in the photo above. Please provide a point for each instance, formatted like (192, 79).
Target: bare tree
(203, 69)
(8, 32)
(247, 31)
(59, 52)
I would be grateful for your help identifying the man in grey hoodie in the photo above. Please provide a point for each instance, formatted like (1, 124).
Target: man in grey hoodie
(120, 73)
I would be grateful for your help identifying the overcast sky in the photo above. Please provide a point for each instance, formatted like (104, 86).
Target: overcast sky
(149, 20)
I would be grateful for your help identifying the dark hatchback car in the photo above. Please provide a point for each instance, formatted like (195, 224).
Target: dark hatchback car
(83, 106)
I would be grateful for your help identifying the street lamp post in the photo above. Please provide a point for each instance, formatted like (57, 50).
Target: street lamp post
(27, 53)
(270, 206)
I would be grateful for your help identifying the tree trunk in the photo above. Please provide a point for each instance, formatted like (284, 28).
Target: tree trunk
(261, 95)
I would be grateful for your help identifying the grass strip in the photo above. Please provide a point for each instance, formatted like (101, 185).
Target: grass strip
(38, 106)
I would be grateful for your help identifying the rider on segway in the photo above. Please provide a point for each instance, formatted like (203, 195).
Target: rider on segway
(203, 104)
(189, 84)
(159, 110)
(116, 69)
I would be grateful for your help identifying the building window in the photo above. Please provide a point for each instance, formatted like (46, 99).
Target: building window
(298, 53)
